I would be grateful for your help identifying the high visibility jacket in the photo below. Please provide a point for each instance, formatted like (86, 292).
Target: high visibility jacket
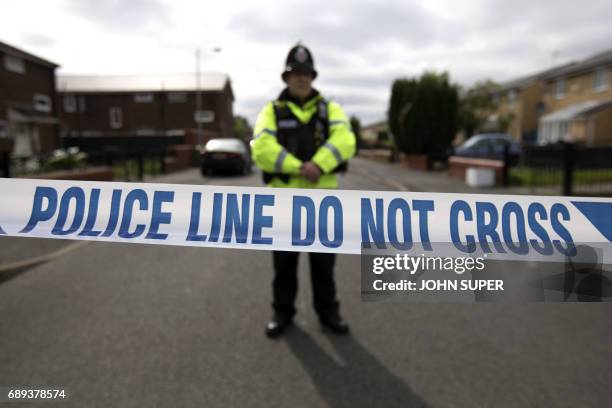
(272, 157)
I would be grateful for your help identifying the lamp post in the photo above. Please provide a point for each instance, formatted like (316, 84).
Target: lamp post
(199, 92)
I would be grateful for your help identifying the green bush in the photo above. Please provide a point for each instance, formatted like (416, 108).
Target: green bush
(66, 159)
(423, 113)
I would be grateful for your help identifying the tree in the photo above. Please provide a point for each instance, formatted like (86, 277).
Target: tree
(242, 129)
(403, 92)
(423, 113)
(476, 106)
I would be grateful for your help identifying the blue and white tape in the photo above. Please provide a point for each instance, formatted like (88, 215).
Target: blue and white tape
(298, 219)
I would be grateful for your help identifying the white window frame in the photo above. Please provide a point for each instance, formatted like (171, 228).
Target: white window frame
(145, 132)
(70, 103)
(560, 86)
(511, 98)
(177, 97)
(601, 79)
(42, 103)
(116, 117)
(145, 97)
(564, 131)
(14, 64)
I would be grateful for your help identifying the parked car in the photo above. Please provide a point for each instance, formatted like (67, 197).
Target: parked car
(227, 155)
(490, 146)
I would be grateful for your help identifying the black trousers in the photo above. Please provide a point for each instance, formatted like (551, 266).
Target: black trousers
(285, 282)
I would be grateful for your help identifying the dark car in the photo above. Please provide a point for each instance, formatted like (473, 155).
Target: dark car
(226, 155)
(490, 146)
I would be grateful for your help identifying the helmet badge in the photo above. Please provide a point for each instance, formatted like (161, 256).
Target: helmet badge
(300, 55)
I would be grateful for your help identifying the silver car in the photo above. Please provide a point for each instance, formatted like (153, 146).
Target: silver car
(226, 155)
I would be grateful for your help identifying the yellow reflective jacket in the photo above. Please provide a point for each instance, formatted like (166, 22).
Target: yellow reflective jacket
(272, 157)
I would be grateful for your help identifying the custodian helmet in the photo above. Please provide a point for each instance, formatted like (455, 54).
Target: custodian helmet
(299, 59)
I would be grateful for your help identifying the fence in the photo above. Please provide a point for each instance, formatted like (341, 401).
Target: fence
(565, 168)
(127, 153)
(6, 146)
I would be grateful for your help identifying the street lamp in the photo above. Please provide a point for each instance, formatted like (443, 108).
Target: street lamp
(199, 94)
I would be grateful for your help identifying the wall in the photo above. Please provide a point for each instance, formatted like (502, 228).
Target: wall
(531, 97)
(18, 91)
(579, 88)
(159, 115)
(603, 127)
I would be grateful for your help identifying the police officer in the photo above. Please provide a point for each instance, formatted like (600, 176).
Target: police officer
(301, 140)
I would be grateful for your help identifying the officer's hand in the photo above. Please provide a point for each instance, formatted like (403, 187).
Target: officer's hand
(311, 171)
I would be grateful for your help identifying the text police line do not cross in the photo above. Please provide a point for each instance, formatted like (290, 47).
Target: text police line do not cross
(291, 219)
(304, 233)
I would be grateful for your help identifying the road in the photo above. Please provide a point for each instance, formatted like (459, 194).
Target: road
(126, 325)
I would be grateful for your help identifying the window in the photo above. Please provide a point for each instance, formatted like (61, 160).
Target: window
(204, 116)
(3, 128)
(512, 96)
(559, 89)
(42, 103)
(600, 79)
(563, 131)
(82, 104)
(70, 103)
(177, 97)
(116, 117)
(14, 64)
(143, 97)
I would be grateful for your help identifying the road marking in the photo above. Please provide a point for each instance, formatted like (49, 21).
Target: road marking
(389, 183)
(13, 266)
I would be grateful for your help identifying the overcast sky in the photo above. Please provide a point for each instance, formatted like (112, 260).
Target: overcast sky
(359, 46)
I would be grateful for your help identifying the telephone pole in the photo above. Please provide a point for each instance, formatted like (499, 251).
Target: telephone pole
(198, 97)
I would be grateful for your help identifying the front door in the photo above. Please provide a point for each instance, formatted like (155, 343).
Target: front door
(23, 138)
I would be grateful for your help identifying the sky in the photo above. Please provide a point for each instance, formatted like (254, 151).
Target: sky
(359, 47)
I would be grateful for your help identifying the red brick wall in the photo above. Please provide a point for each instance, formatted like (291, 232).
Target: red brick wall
(102, 173)
(18, 90)
(159, 115)
(457, 167)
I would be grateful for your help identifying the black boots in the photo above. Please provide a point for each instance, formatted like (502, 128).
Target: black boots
(335, 323)
(279, 323)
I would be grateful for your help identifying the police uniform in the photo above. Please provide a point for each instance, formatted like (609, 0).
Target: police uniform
(289, 132)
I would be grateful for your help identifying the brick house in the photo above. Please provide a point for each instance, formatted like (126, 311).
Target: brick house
(572, 102)
(375, 132)
(145, 105)
(578, 101)
(519, 103)
(28, 112)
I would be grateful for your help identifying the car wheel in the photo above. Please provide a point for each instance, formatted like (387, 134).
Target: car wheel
(246, 169)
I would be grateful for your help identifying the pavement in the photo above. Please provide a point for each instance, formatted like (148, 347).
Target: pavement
(135, 325)
(16, 249)
(399, 177)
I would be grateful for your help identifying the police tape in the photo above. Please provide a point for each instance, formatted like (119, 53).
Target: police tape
(310, 220)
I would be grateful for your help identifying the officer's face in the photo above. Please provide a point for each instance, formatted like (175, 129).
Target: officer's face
(299, 83)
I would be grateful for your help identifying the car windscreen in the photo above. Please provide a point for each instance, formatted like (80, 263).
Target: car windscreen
(493, 138)
(225, 145)
(471, 142)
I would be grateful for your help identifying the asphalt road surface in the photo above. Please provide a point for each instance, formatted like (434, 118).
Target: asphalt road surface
(126, 325)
